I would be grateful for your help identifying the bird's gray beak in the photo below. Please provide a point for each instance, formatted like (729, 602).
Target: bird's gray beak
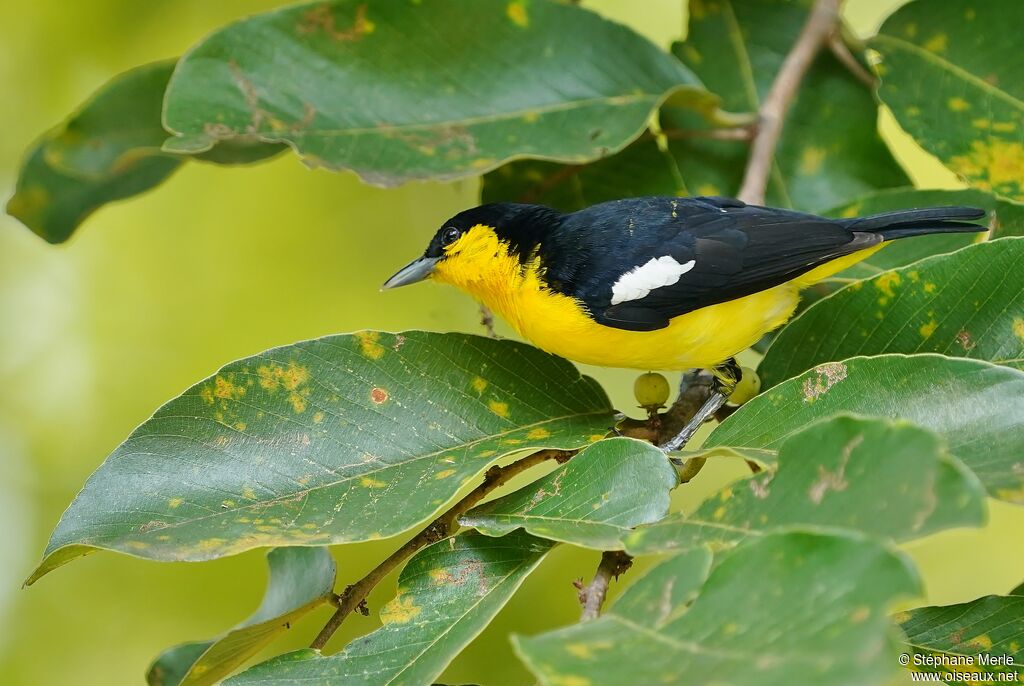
(417, 270)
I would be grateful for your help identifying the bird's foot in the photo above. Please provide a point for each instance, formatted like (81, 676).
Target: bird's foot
(710, 406)
(724, 380)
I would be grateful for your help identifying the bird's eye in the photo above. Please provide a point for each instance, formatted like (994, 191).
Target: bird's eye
(449, 236)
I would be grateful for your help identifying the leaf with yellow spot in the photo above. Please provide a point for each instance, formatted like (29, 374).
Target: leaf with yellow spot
(433, 117)
(993, 626)
(963, 304)
(951, 72)
(301, 580)
(369, 470)
(829, 150)
(1006, 218)
(592, 501)
(750, 624)
(955, 398)
(449, 592)
(874, 476)
(499, 408)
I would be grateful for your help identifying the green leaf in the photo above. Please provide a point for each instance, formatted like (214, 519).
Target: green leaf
(53, 204)
(339, 439)
(951, 75)
(107, 151)
(885, 479)
(1006, 219)
(975, 406)
(301, 579)
(174, 663)
(643, 168)
(447, 594)
(591, 501)
(1018, 590)
(792, 608)
(992, 626)
(664, 590)
(397, 90)
(830, 148)
(968, 304)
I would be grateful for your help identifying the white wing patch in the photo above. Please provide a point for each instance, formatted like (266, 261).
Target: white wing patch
(639, 281)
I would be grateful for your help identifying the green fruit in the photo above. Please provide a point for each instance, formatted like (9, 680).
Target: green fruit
(748, 386)
(651, 390)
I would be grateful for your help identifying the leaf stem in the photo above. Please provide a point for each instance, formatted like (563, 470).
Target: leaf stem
(729, 133)
(613, 563)
(842, 53)
(354, 596)
(821, 24)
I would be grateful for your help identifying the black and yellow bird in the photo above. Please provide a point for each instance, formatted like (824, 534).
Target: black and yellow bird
(656, 283)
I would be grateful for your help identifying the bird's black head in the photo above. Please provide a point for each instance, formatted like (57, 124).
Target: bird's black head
(475, 242)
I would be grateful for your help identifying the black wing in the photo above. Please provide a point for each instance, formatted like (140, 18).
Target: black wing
(737, 250)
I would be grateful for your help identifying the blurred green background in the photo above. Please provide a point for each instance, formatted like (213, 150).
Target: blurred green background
(216, 264)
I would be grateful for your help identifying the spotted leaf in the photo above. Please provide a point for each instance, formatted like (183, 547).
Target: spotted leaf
(950, 72)
(976, 407)
(966, 304)
(789, 608)
(991, 628)
(398, 90)
(343, 438)
(830, 147)
(886, 479)
(447, 594)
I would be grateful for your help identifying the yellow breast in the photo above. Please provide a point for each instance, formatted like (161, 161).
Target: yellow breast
(558, 324)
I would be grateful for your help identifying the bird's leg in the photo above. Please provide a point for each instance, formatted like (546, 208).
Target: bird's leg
(726, 376)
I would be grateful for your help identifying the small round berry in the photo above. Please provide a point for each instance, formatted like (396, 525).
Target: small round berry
(651, 390)
(748, 386)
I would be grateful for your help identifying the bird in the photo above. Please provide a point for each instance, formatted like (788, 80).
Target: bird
(656, 283)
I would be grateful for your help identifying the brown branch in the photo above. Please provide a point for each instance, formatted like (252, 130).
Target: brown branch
(354, 596)
(821, 23)
(842, 53)
(487, 321)
(613, 563)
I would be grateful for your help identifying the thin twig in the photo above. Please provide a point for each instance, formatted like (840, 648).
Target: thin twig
(487, 321)
(820, 24)
(445, 525)
(842, 52)
(613, 563)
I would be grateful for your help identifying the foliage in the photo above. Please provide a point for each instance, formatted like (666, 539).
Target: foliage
(301, 579)
(893, 405)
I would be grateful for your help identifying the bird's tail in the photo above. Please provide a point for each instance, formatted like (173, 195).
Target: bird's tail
(906, 223)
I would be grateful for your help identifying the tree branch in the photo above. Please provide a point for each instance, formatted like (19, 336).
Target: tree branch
(613, 563)
(821, 23)
(354, 596)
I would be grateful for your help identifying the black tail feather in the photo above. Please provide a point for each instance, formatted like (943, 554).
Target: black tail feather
(905, 223)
